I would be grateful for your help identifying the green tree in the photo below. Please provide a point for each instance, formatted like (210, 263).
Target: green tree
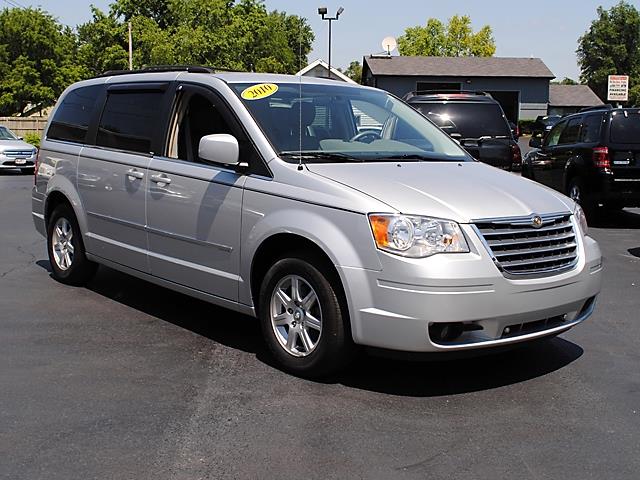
(239, 35)
(611, 46)
(37, 59)
(565, 81)
(455, 39)
(354, 71)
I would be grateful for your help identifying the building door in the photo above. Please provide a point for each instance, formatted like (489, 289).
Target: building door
(510, 103)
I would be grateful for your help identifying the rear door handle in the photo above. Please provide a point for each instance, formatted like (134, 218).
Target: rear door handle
(133, 173)
(161, 178)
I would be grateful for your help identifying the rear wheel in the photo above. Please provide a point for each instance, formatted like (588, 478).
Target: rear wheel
(67, 256)
(577, 192)
(303, 320)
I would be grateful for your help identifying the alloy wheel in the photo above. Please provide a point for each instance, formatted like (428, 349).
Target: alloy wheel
(296, 315)
(62, 244)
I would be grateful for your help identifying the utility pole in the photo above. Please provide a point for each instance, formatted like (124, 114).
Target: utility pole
(130, 49)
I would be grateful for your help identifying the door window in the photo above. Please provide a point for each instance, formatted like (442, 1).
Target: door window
(198, 113)
(196, 116)
(554, 135)
(130, 120)
(570, 134)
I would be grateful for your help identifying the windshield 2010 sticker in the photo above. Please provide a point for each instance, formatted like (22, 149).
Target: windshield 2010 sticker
(257, 92)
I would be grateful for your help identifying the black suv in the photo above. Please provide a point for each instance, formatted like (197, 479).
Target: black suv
(543, 124)
(592, 156)
(475, 119)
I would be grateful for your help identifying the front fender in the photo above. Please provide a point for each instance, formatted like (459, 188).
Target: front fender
(344, 236)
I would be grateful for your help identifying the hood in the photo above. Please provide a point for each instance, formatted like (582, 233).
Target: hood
(457, 191)
(15, 145)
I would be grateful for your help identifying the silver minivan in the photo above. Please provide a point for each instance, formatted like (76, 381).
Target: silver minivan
(336, 214)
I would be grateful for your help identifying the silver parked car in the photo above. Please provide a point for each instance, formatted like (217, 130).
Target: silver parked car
(16, 153)
(258, 193)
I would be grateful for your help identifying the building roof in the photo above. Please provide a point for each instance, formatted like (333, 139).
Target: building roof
(572, 96)
(458, 66)
(325, 66)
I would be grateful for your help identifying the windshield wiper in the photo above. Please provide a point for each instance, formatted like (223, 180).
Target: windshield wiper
(415, 156)
(320, 156)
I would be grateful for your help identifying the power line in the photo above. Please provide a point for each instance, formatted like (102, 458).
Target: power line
(13, 3)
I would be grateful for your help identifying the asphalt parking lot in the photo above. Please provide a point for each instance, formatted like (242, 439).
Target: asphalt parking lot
(124, 379)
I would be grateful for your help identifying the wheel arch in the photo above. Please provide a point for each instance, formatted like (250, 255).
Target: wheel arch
(284, 244)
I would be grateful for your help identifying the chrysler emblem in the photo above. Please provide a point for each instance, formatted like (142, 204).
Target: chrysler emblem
(536, 221)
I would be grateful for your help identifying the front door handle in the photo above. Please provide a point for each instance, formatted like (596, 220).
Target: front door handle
(133, 174)
(161, 179)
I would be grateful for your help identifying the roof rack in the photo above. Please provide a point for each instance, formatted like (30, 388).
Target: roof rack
(416, 93)
(168, 68)
(606, 106)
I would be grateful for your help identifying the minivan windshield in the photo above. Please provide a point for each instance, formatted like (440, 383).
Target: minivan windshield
(625, 126)
(341, 123)
(6, 134)
(471, 119)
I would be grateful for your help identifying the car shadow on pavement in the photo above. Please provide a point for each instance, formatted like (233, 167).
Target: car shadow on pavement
(450, 377)
(615, 219)
(367, 372)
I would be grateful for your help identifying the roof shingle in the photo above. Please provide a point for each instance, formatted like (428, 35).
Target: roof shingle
(458, 66)
(572, 96)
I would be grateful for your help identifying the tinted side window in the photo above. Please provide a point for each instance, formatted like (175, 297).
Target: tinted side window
(129, 120)
(554, 135)
(570, 134)
(72, 117)
(591, 125)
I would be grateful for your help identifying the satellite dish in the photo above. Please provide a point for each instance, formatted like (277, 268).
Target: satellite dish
(389, 44)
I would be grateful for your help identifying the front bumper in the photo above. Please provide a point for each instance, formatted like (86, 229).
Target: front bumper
(11, 163)
(395, 307)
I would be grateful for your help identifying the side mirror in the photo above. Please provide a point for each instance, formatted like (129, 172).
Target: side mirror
(220, 148)
(535, 142)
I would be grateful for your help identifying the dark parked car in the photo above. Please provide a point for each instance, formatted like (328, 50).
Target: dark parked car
(543, 124)
(476, 120)
(592, 156)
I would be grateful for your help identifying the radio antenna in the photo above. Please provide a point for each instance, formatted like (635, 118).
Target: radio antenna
(300, 97)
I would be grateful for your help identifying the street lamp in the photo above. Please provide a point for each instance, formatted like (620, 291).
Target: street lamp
(323, 11)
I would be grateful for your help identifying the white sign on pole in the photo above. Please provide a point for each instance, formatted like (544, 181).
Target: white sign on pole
(618, 90)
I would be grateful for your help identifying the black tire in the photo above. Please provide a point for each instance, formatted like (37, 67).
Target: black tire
(80, 270)
(334, 347)
(576, 190)
(614, 205)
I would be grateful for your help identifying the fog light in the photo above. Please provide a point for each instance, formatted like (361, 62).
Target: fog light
(445, 332)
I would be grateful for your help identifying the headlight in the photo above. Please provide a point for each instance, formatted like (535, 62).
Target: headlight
(416, 237)
(582, 220)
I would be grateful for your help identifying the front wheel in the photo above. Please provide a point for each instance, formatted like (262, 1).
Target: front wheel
(69, 263)
(302, 318)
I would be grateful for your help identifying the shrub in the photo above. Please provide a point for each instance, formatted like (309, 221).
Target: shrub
(32, 138)
(525, 126)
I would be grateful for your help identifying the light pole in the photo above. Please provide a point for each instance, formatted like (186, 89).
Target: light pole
(323, 11)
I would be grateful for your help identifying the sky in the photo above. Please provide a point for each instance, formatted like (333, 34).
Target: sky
(548, 29)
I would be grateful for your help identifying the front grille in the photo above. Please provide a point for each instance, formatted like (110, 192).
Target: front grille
(18, 153)
(519, 248)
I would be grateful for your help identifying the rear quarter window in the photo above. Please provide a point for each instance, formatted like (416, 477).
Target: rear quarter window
(72, 117)
(591, 126)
